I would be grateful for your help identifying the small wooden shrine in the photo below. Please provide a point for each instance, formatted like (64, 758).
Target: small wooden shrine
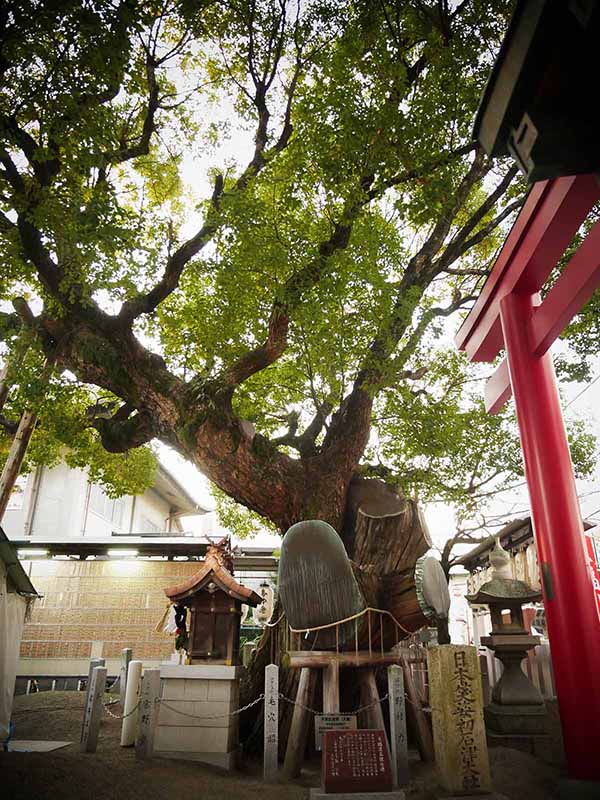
(214, 599)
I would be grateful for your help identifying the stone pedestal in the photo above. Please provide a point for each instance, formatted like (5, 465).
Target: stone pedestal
(208, 692)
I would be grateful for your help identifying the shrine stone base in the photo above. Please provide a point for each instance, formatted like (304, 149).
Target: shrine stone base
(319, 794)
(203, 691)
(539, 745)
(517, 719)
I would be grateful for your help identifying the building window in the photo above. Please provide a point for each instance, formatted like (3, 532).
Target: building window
(106, 507)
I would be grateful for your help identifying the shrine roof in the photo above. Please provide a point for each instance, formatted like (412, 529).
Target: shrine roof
(214, 569)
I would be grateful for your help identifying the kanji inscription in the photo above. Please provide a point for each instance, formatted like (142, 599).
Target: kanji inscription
(356, 761)
(271, 722)
(456, 700)
(332, 722)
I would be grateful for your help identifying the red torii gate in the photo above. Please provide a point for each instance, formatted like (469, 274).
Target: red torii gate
(509, 315)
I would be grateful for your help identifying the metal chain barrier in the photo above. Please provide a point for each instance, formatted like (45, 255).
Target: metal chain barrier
(119, 716)
(315, 711)
(259, 699)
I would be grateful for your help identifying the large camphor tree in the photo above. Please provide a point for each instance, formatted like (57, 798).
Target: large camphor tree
(245, 228)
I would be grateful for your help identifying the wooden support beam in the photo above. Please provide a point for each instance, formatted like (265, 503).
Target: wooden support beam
(369, 696)
(296, 659)
(498, 389)
(417, 716)
(299, 729)
(331, 688)
(18, 448)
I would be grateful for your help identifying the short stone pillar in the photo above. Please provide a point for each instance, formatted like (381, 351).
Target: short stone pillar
(456, 700)
(195, 721)
(149, 700)
(93, 710)
(271, 723)
(126, 656)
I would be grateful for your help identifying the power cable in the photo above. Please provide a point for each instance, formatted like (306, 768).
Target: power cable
(585, 388)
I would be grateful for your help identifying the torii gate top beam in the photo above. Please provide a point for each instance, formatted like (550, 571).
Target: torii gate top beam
(551, 216)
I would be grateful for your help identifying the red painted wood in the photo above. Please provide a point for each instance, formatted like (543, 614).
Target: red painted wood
(572, 290)
(544, 228)
(569, 600)
(356, 761)
(513, 240)
(570, 293)
(498, 389)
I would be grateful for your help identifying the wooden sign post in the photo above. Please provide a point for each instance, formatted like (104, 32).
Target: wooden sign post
(148, 714)
(126, 655)
(94, 662)
(459, 736)
(93, 711)
(398, 739)
(271, 722)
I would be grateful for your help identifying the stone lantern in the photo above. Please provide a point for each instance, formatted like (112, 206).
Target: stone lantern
(214, 599)
(517, 708)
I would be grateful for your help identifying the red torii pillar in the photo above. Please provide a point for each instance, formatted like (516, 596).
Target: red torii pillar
(509, 315)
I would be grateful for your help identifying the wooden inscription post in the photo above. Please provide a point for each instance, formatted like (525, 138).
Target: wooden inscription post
(93, 711)
(94, 662)
(459, 737)
(126, 655)
(398, 739)
(271, 722)
(148, 714)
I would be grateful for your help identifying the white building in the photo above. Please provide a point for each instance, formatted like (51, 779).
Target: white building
(101, 566)
(60, 503)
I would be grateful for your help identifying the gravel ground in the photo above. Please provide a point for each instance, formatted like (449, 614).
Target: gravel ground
(113, 771)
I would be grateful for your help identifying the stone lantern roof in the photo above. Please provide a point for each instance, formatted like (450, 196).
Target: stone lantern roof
(498, 589)
(502, 586)
(215, 573)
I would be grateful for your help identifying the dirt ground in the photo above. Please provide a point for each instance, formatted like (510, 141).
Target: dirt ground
(113, 771)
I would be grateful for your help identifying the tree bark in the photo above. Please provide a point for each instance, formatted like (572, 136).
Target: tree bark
(385, 534)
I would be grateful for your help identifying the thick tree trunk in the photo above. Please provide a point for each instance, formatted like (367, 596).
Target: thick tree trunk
(384, 534)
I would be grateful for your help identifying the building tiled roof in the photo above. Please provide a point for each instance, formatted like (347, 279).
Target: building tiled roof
(214, 569)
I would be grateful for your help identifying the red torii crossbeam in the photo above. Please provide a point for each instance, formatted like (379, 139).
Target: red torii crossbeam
(509, 315)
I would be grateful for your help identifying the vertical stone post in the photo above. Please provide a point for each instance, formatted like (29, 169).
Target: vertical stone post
(271, 722)
(94, 662)
(149, 708)
(93, 710)
(126, 655)
(134, 673)
(456, 700)
(398, 740)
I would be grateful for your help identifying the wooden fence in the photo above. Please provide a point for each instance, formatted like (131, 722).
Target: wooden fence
(537, 666)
